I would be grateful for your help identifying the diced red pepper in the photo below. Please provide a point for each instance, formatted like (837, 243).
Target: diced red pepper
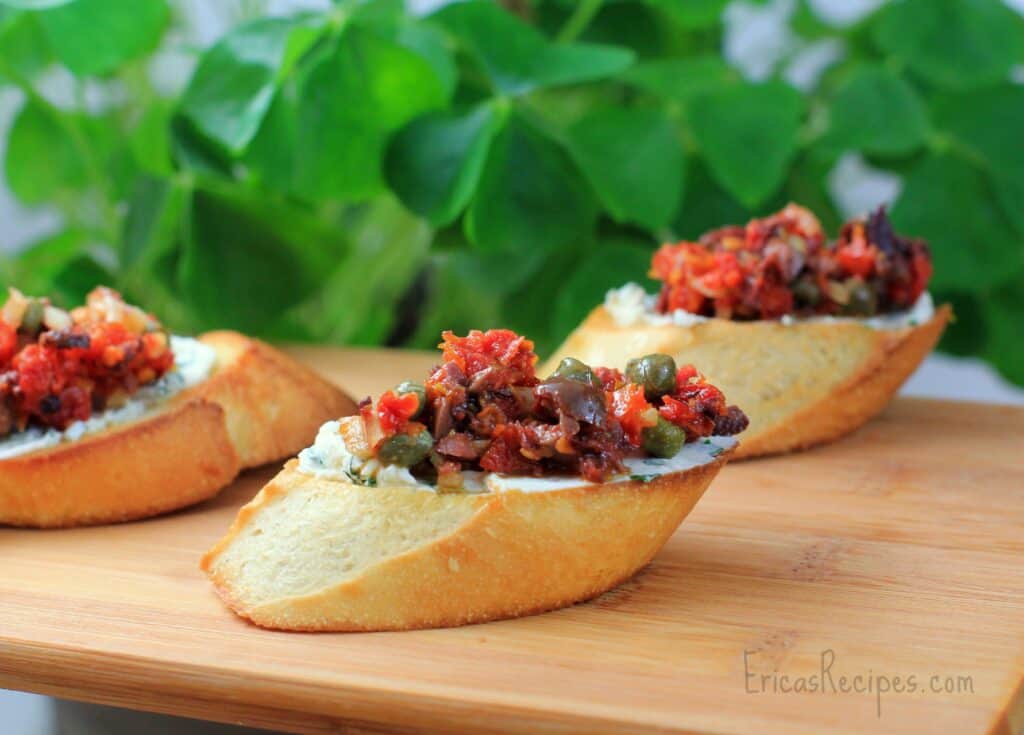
(395, 410)
(8, 343)
(780, 265)
(611, 378)
(500, 350)
(684, 375)
(504, 455)
(858, 257)
(633, 412)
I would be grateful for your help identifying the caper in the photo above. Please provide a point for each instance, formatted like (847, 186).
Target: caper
(572, 369)
(664, 439)
(32, 319)
(656, 373)
(863, 301)
(421, 394)
(406, 450)
(806, 291)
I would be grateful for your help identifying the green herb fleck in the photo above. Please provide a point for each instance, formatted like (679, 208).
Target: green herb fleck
(643, 478)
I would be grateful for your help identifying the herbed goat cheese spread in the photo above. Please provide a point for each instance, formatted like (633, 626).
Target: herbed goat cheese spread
(193, 362)
(631, 305)
(330, 458)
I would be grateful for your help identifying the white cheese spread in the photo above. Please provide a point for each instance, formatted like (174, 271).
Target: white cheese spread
(330, 458)
(193, 362)
(631, 305)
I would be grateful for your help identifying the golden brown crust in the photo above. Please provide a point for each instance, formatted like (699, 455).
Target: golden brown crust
(514, 554)
(274, 405)
(168, 461)
(257, 406)
(856, 400)
(801, 385)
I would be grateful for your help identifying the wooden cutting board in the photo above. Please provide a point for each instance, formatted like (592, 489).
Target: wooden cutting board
(896, 553)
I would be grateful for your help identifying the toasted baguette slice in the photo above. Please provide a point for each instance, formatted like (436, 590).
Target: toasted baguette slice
(801, 384)
(257, 406)
(317, 555)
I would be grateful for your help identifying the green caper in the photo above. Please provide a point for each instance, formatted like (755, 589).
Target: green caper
(32, 320)
(406, 450)
(806, 291)
(421, 394)
(863, 301)
(656, 373)
(572, 369)
(664, 439)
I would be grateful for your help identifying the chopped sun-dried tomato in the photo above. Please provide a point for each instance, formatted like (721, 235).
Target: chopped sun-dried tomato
(504, 452)
(684, 375)
(633, 412)
(8, 343)
(505, 357)
(781, 265)
(395, 410)
(694, 407)
(69, 364)
(857, 257)
(611, 378)
(47, 387)
(487, 412)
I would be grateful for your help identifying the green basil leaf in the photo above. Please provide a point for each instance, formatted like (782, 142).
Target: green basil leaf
(270, 157)
(431, 44)
(35, 269)
(248, 258)
(94, 37)
(957, 44)
(706, 205)
(23, 47)
(458, 298)
(748, 135)
(33, 4)
(234, 84)
(518, 58)
(349, 104)
(150, 140)
(153, 224)
(949, 203)
(359, 303)
(877, 112)
(62, 266)
(967, 333)
(692, 13)
(528, 309)
(610, 264)
(1004, 316)
(634, 160)
(529, 196)
(42, 162)
(989, 123)
(680, 79)
(434, 163)
(191, 150)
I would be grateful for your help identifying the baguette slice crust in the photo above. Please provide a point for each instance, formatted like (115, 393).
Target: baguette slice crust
(256, 406)
(310, 554)
(800, 385)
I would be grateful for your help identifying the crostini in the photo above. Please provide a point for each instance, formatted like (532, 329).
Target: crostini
(106, 417)
(811, 338)
(483, 493)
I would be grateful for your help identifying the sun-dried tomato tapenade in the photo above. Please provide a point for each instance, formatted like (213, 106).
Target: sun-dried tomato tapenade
(58, 367)
(484, 409)
(781, 265)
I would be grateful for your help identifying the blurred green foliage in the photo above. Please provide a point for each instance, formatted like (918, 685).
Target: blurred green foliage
(365, 175)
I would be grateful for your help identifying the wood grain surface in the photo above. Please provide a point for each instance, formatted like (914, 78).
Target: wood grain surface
(898, 552)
